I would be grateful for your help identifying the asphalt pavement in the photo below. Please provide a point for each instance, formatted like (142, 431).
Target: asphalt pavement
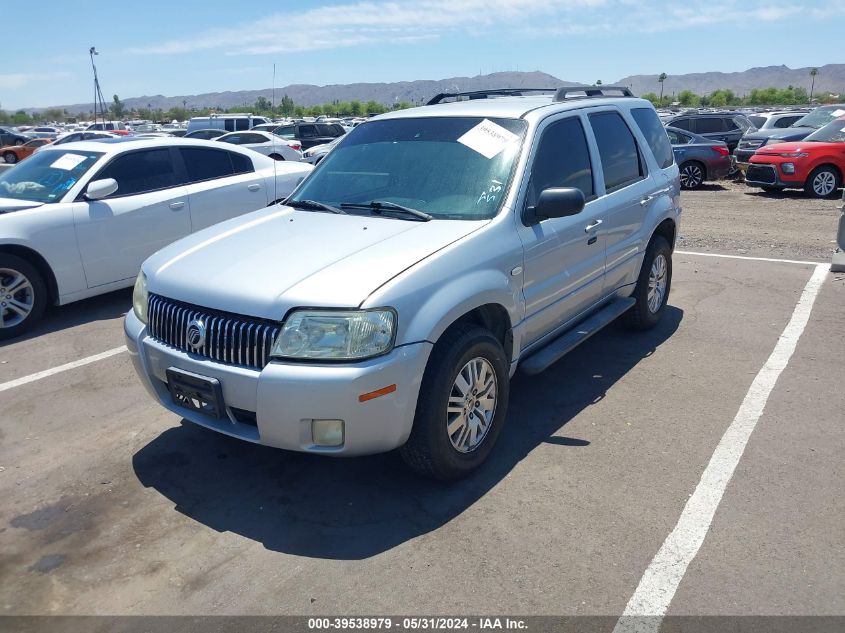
(112, 505)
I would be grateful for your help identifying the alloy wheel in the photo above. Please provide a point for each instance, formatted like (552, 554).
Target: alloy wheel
(657, 283)
(824, 183)
(472, 405)
(691, 176)
(17, 298)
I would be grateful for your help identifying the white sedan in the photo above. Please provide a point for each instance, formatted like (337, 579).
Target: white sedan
(77, 220)
(265, 143)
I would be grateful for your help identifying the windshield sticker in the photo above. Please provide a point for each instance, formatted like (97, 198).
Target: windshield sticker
(67, 161)
(488, 138)
(837, 113)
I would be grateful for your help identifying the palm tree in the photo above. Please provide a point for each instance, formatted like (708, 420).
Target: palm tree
(661, 79)
(813, 73)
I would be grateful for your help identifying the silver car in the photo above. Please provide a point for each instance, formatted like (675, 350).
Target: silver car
(388, 301)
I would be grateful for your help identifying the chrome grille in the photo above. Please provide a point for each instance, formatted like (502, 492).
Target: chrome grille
(229, 338)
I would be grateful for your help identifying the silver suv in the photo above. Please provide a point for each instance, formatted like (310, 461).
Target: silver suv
(388, 301)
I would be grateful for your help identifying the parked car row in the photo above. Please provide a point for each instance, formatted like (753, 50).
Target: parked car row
(77, 219)
(775, 150)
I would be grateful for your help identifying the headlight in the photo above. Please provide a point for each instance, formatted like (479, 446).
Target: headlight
(793, 154)
(336, 334)
(140, 297)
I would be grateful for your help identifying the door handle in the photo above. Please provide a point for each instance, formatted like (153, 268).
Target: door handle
(592, 225)
(645, 200)
(254, 186)
(177, 205)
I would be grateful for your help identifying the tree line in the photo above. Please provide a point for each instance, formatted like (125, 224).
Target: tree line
(117, 110)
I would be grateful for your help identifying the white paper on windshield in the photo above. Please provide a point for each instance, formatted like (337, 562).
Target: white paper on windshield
(488, 138)
(67, 162)
(836, 113)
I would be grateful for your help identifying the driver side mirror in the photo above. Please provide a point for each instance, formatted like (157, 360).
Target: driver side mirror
(99, 189)
(556, 202)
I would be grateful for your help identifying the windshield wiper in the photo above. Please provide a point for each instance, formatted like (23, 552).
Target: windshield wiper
(383, 206)
(313, 205)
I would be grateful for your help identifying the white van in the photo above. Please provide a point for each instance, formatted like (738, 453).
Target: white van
(228, 122)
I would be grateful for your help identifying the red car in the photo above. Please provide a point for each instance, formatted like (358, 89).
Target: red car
(816, 164)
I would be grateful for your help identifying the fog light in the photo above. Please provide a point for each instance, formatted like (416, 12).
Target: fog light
(788, 168)
(327, 432)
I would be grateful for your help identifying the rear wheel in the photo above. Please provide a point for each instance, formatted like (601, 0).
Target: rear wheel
(10, 157)
(652, 291)
(462, 404)
(692, 175)
(822, 182)
(23, 296)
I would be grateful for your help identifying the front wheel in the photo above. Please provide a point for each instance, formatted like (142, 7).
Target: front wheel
(652, 291)
(23, 296)
(692, 175)
(462, 404)
(822, 182)
(10, 157)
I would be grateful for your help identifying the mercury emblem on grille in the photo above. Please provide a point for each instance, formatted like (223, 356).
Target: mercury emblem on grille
(195, 334)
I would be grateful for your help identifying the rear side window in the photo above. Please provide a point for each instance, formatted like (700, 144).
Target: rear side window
(683, 124)
(285, 132)
(786, 121)
(241, 124)
(620, 158)
(709, 125)
(252, 138)
(206, 164)
(655, 134)
(140, 172)
(240, 163)
(562, 160)
(229, 124)
(307, 131)
(676, 138)
(234, 139)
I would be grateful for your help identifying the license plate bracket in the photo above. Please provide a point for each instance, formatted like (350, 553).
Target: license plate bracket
(194, 392)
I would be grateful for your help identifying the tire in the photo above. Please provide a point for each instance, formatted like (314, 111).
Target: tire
(646, 312)
(822, 182)
(30, 292)
(693, 174)
(10, 157)
(431, 450)
(771, 189)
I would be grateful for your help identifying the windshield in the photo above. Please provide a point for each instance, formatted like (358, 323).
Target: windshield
(46, 176)
(833, 132)
(820, 116)
(451, 168)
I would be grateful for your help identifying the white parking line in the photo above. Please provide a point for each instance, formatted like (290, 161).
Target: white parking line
(663, 575)
(755, 259)
(57, 370)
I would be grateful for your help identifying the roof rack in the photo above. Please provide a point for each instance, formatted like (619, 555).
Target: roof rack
(590, 92)
(484, 94)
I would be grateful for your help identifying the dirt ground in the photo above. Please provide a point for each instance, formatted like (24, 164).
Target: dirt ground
(731, 217)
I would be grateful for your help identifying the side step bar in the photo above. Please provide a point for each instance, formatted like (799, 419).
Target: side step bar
(559, 347)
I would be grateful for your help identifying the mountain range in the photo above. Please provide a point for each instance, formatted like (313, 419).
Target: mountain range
(830, 78)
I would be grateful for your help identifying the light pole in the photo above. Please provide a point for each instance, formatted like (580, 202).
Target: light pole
(98, 94)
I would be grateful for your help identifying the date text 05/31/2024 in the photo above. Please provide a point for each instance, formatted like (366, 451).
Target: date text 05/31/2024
(415, 624)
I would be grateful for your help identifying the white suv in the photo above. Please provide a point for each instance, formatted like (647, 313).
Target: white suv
(432, 253)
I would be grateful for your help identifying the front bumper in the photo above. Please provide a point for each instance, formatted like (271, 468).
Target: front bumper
(768, 175)
(286, 397)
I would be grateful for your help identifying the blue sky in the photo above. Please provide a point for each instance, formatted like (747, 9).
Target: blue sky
(180, 47)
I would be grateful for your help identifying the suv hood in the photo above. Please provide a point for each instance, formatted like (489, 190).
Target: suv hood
(264, 263)
(11, 204)
(780, 134)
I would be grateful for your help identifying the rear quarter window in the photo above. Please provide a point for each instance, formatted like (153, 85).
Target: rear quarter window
(655, 135)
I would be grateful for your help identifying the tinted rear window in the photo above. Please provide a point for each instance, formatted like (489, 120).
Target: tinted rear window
(709, 125)
(620, 159)
(655, 135)
(206, 164)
